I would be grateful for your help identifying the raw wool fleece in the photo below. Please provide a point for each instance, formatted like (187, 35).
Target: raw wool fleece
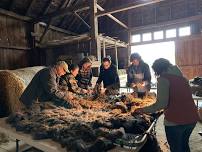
(13, 83)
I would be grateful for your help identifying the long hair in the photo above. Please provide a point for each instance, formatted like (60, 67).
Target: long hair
(160, 65)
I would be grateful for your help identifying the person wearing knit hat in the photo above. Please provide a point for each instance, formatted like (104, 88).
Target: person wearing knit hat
(45, 87)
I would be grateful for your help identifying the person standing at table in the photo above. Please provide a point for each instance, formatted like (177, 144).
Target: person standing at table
(108, 75)
(138, 73)
(175, 98)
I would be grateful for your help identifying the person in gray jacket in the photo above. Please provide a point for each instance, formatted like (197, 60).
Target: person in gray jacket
(45, 87)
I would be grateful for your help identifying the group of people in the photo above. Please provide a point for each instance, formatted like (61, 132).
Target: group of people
(174, 96)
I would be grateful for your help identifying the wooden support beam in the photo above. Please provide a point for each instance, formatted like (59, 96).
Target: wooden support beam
(129, 46)
(126, 7)
(14, 47)
(96, 46)
(66, 6)
(113, 42)
(113, 18)
(45, 31)
(29, 7)
(47, 7)
(67, 40)
(63, 12)
(14, 15)
(104, 50)
(116, 56)
(83, 21)
(58, 29)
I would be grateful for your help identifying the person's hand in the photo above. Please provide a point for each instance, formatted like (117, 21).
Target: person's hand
(69, 96)
(85, 91)
(139, 110)
(102, 90)
(133, 85)
(90, 91)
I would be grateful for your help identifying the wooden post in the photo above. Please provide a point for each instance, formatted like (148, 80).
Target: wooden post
(104, 51)
(116, 56)
(96, 46)
(129, 46)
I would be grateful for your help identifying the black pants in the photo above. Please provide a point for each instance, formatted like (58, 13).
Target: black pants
(178, 137)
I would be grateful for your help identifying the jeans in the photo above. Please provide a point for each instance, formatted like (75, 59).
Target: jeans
(178, 137)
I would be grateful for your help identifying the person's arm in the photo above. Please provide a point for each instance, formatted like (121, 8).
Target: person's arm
(147, 75)
(129, 76)
(162, 97)
(91, 76)
(116, 77)
(75, 88)
(51, 87)
(99, 80)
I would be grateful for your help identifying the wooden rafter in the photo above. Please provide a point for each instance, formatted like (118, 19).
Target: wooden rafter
(126, 7)
(68, 5)
(29, 7)
(47, 7)
(113, 18)
(63, 12)
(82, 20)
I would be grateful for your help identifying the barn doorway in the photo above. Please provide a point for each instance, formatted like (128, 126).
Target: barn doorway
(153, 51)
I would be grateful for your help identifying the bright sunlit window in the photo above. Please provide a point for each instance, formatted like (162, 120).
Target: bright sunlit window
(136, 38)
(151, 52)
(158, 35)
(185, 31)
(171, 33)
(146, 36)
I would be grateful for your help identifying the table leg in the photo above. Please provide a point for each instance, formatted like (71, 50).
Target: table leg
(17, 145)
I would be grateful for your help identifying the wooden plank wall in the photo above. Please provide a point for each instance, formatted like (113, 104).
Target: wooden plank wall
(13, 43)
(189, 56)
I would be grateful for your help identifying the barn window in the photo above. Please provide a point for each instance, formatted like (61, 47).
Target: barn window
(136, 38)
(158, 35)
(146, 36)
(185, 31)
(171, 33)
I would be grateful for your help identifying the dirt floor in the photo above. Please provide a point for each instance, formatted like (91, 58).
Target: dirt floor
(195, 139)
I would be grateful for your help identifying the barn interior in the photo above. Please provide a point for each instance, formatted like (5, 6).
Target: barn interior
(35, 34)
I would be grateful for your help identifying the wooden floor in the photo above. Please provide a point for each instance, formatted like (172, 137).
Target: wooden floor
(195, 139)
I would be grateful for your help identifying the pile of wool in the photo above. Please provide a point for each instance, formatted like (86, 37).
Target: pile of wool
(13, 83)
(87, 129)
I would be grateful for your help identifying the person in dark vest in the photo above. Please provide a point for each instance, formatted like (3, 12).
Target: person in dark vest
(44, 87)
(85, 74)
(108, 75)
(138, 73)
(175, 97)
(68, 80)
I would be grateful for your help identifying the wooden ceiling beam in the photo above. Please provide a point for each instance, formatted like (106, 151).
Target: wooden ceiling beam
(29, 7)
(113, 18)
(47, 7)
(126, 7)
(63, 12)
